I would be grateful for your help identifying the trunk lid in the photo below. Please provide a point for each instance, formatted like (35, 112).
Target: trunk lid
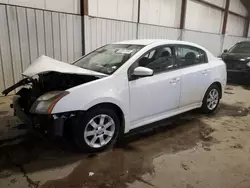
(46, 64)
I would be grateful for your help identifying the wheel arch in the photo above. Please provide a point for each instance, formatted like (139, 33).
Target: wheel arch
(217, 83)
(117, 109)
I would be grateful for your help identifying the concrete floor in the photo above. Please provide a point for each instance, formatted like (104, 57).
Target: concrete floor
(188, 151)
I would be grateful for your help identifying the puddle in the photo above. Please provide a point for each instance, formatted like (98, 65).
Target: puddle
(246, 87)
(124, 165)
(232, 110)
(3, 112)
(228, 92)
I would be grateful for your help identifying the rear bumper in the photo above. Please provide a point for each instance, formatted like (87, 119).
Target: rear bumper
(44, 124)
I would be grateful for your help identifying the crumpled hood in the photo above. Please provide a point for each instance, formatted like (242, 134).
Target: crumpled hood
(46, 64)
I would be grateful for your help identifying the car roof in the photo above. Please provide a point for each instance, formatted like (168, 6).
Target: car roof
(246, 41)
(155, 42)
(146, 42)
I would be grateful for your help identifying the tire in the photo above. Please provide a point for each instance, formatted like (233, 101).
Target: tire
(207, 107)
(89, 129)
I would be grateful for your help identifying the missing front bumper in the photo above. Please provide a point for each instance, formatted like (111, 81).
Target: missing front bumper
(45, 124)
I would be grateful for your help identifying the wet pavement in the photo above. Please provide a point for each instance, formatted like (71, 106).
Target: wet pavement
(27, 154)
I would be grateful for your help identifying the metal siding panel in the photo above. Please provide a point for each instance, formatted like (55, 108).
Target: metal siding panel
(122, 33)
(235, 25)
(212, 42)
(23, 33)
(114, 30)
(70, 38)
(77, 37)
(104, 31)
(14, 43)
(32, 34)
(109, 31)
(195, 19)
(87, 37)
(230, 41)
(64, 44)
(2, 84)
(98, 33)
(5, 48)
(93, 32)
(149, 31)
(40, 32)
(48, 34)
(56, 36)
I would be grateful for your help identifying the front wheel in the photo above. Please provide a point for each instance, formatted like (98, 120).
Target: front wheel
(211, 99)
(96, 130)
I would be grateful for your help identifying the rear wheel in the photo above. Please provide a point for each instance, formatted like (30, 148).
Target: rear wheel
(97, 130)
(211, 99)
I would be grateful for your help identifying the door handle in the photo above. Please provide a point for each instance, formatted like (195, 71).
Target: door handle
(205, 71)
(174, 80)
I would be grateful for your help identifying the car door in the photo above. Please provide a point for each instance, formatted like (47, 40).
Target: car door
(195, 74)
(155, 95)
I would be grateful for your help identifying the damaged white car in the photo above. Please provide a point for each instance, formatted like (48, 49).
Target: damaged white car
(117, 88)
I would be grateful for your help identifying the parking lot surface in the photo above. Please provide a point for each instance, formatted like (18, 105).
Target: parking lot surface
(188, 151)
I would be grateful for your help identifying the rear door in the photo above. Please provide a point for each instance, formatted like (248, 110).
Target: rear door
(195, 74)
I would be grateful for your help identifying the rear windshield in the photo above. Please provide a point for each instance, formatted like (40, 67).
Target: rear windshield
(109, 58)
(241, 48)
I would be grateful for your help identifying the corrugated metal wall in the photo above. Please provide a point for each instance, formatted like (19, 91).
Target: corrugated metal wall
(213, 42)
(99, 32)
(27, 33)
(230, 41)
(146, 31)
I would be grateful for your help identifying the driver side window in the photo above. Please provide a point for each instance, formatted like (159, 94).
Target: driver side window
(159, 60)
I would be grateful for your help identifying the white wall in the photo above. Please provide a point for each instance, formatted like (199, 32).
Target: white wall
(114, 9)
(158, 32)
(99, 32)
(161, 12)
(235, 25)
(69, 6)
(237, 7)
(26, 34)
(230, 41)
(201, 17)
(213, 42)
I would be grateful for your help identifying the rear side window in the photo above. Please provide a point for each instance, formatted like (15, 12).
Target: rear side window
(189, 56)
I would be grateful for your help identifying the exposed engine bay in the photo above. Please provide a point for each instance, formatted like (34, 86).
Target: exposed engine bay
(52, 81)
(35, 87)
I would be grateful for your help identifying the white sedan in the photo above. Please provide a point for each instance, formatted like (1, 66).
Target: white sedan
(117, 88)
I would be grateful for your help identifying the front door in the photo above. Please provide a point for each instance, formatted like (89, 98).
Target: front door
(157, 94)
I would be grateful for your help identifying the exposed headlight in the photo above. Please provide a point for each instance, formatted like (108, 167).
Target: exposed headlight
(248, 64)
(45, 103)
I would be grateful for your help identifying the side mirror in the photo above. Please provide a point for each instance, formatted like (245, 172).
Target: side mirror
(225, 51)
(143, 72)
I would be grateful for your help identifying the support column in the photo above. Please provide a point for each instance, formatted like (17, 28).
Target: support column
(138, 19)
(84, 11)
(183, 17)
(224, 26)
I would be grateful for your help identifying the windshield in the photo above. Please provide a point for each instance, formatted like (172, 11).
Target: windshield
(109, 58)
(241, 48)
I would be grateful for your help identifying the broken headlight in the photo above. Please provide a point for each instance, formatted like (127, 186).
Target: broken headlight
(45, 103)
